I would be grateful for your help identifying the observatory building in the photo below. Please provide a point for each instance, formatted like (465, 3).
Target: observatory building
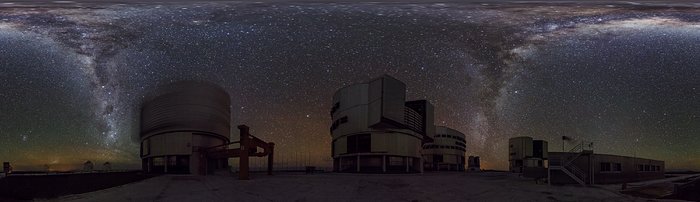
(374, 129)
(526, 153)
(579, 164)
(446, 152)
(178, 122)
(585, 167)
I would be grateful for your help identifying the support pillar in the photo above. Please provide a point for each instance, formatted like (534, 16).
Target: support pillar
(384, 163)
(358, 163)
(166, 163)
(340, 164)
(549, 176)
(405, 159)
(422, 165)
(243, 159)
(270, 158)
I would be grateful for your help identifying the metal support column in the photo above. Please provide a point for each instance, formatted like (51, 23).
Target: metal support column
(406, 160)
(270, 158)
(384, 163)
(243, 159)
(166, 163)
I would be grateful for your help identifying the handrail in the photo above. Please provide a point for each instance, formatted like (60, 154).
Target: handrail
(577, 148)
(570, 169)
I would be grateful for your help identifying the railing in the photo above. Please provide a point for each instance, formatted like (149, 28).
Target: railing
(577, 148)
(565, 163)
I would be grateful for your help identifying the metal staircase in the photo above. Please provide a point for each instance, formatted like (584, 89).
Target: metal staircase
(565, 164)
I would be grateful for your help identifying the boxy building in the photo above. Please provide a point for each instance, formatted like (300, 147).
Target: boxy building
(374, 129)
(525, 153)
(579, 165)
(585, 167)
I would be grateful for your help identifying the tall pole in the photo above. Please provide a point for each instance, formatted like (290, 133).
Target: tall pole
(270, 158)
(243, 159)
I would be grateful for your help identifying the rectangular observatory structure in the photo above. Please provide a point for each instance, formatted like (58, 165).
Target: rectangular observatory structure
(374, 130)
(386, 98)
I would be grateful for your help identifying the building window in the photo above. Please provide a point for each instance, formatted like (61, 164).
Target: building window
(605, 167)
(352, 144)
(610, 167)
(158, 161)
(395, 161)
(172, 160)
(359, 143)
(333, 147)
(437, 158)
(146, 147)
(616, 167)
(337, 123)
(335, 107)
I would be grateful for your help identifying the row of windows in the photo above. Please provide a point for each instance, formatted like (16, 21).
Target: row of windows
(439, 158)
(443, 147)
(361, 143)
(453, 137)
(413, 120)
(610, 167)
(617, 167)
(461, 144)
(336, 123)
(648, 168)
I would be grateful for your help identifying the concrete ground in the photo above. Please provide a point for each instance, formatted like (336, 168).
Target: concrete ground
(489, 186)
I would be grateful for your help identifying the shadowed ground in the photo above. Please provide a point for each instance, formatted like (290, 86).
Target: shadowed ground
(51, 186)
(349, 187)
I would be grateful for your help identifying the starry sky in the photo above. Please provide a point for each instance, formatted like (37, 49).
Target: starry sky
(623, 75)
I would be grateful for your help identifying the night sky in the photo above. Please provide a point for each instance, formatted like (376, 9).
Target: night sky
(623, 75)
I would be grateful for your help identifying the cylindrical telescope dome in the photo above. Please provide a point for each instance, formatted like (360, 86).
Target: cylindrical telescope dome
(179, 122)
(187, 106)
(447, 151)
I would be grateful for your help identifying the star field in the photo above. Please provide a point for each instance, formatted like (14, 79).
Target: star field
(623, 76)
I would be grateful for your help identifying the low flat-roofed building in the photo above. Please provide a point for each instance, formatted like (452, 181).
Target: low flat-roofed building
(591, 168)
